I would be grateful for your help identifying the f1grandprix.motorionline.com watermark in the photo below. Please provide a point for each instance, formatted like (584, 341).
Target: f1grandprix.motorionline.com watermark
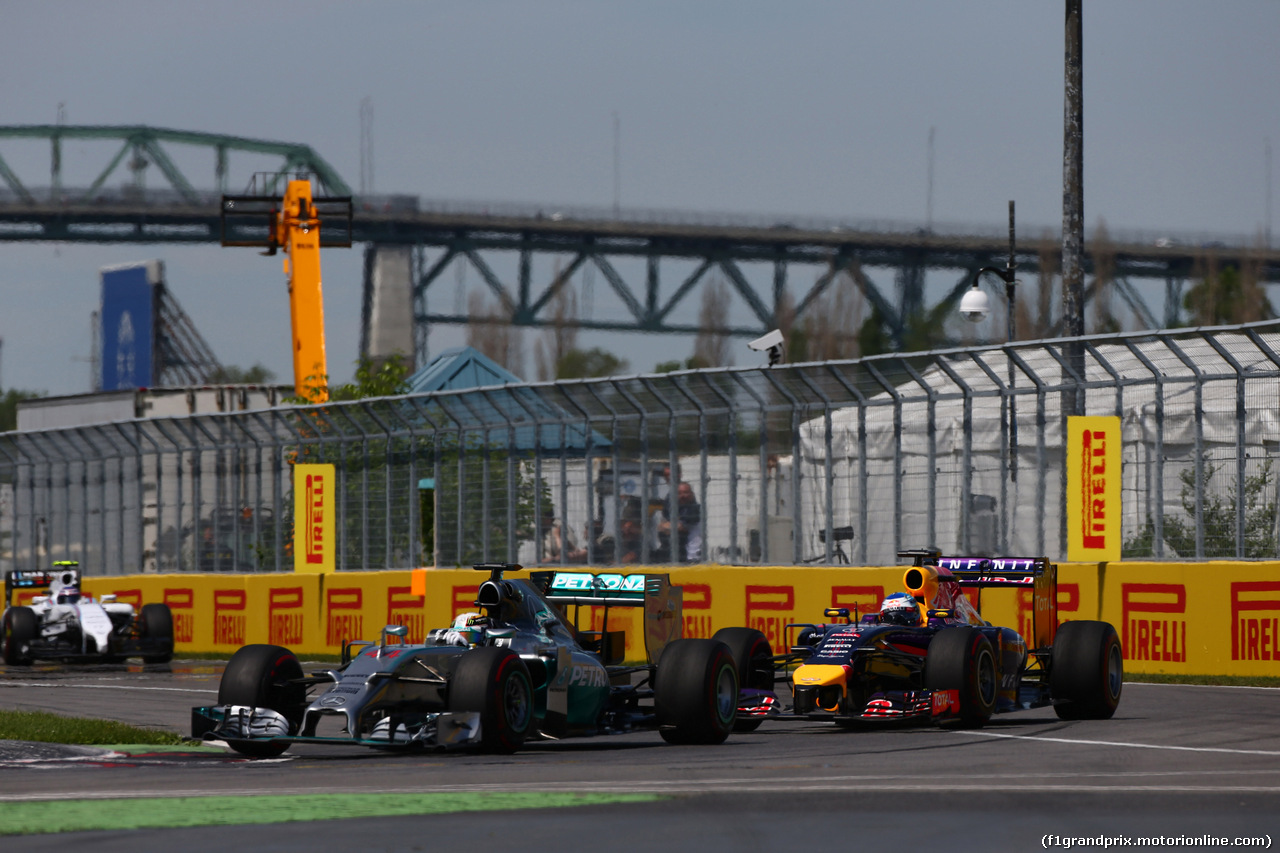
(1107, 841)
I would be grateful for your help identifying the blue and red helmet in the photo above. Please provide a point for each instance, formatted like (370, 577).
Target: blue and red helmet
(900, 609)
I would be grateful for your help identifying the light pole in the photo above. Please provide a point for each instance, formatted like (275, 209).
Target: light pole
(975, 307)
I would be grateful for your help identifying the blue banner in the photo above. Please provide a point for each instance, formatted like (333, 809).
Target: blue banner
(128, 318)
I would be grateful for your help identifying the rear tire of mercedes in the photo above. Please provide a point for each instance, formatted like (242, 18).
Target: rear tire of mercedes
(1087, 671)
(695, 692)
(961, 659)
(156, 622)
(258, 676)
(753, 659)
(20, 628)
(494, 682)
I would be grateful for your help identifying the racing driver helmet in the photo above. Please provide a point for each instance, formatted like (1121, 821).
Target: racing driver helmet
(900, 609)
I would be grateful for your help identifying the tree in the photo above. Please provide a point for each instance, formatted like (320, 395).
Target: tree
(690, 363)
(1219, 515)
(232, 375)
(711, 346)
(1104, 268)
(9, 407)
(385, 377)
(585, 364)
(829, 330)
(1227, 296)
(561, 337)
(490, 332)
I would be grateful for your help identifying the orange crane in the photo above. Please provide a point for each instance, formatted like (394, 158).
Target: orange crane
(293, 224)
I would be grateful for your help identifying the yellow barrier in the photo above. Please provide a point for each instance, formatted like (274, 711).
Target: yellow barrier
(1191, 618)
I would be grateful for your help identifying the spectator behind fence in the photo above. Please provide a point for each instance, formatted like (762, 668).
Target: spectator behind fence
(630, 530)
(688, 527)
(557, 538)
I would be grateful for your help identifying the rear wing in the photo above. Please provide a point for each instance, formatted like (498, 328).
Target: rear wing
(663, 603)
(39, 579)
(986, 572)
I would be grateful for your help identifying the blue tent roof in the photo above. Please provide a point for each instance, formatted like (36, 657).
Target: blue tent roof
(459, 369)
(507, 402)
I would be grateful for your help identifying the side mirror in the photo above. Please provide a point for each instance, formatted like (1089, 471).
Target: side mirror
(397, 631)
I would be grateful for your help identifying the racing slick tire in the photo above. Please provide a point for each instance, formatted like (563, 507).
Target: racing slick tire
(1087, 671)
(695, 692)
(961, 659)
(20, 627)
(155, 622)
(258, 675)
(753, 658)
(494, 682)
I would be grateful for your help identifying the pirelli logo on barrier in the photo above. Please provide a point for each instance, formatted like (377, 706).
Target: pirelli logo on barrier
(859, 600)
(182, 604)
(769, 609)
(314, 542)
(1093, 489)
(344, 616)
(285, 615)
(462, 599)
(405, 608)
(229, 616)
(1255, 620)
(1155, 621)
(696, 610)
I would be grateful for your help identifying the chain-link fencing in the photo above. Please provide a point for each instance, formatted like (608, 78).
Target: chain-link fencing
(827, 463)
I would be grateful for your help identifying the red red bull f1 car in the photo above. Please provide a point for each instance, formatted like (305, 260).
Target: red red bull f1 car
(929, 655)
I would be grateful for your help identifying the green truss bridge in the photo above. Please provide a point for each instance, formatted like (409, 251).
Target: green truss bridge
(134, 184)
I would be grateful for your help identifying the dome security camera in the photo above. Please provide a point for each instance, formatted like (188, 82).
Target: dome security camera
(975, 306)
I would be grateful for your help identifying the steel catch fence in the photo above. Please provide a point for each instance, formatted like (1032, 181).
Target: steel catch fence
(831, 463)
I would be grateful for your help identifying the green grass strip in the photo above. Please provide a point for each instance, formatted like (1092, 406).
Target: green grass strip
(36, 818)
(44, 727)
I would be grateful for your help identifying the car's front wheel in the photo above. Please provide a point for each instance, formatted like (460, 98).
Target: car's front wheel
(961, 659)
(494, 682)
(753, 657)
(263, 676)
(695, 692)
(156, 623)
(19, 628)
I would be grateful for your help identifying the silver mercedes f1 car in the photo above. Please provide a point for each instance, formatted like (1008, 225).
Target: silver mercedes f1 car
(518, 669)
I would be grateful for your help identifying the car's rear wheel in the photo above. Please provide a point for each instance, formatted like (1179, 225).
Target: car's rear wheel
(494, 682)
(19, 629)
(696, 692)
(156, 623)
(961, 659)
(261, 676)
(753, 659)
(1087, 671)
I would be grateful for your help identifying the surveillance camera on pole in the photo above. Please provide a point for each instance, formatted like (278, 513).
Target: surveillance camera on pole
(975, 306)
(772, 343)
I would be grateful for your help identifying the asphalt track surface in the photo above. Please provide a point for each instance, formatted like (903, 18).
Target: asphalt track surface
(1176, 761)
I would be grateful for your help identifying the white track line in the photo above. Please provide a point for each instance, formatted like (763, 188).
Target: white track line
(102, 687)
(753, 785)
(1123, 744)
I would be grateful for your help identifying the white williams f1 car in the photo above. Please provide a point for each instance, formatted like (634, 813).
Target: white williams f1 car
(68, 625)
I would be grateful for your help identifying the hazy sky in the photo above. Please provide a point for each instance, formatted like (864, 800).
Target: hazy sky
(815, 108)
